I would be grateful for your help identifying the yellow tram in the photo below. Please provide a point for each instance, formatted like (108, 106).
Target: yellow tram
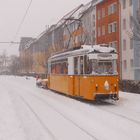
(89, 73)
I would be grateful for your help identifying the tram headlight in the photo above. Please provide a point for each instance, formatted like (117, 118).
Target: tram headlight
(115, 87)
(96, 87)
(106, 85)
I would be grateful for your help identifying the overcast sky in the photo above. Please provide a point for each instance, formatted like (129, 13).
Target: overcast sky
(41, 14)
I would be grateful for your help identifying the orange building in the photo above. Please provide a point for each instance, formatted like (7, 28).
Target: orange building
(108, 24)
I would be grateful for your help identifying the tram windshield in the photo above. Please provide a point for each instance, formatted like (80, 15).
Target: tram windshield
(103, 67)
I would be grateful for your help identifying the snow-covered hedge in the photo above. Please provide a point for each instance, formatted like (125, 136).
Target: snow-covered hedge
(130, 86)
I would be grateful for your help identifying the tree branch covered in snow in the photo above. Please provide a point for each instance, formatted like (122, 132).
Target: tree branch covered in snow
(135, 30)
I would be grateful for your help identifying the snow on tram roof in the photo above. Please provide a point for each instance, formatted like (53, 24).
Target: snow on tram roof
(101, 48)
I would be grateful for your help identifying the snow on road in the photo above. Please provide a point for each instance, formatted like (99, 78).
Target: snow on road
(31, 113)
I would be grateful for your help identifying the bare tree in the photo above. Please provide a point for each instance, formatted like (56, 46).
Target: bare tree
(14, 65)
(3, 61)
(135, 31)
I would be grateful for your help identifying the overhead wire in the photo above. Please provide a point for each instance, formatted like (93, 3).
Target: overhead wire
(22, 21)
(19, 27)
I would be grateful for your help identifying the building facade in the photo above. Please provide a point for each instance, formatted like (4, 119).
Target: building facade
(108, 24)
(23, 54)
(130, 48)
(97, 22)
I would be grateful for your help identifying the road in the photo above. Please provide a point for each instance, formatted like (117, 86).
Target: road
(31, 113)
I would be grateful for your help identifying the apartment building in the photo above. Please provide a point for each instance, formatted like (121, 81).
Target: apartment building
(99, 21)
(108, 24)
(130, 49)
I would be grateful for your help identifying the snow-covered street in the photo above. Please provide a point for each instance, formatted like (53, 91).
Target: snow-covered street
(31, 113)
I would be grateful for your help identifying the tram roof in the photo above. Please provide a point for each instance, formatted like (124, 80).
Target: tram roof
(86, 49)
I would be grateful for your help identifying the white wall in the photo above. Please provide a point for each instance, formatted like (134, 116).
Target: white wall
(127, 54)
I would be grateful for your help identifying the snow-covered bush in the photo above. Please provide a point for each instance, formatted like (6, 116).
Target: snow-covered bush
(130, 86)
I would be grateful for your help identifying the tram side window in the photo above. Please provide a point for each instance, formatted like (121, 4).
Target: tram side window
(59, 68)
(64, 68)
(87, 65)
(75, 65)
(81, 65)
(53, 68)
(89, 68)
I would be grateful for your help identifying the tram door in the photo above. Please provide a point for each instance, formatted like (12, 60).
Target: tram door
(76, 81)
(78, 71)
(75, 68)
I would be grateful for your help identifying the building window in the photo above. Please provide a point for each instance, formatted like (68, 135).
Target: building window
(94, 24)
(125, 64)
(94, 33)
(124, 4)
(99, 31)
(131, 63)
(124, 44)
(103, 12)
(109, 10)
(109, 28)
(112, 8)
(131, 21)
(99, 14)
(93, 20)
(130, 2)
(124, 24)
(131, 43)
(103, 30)
(94, 17)
(112, 27)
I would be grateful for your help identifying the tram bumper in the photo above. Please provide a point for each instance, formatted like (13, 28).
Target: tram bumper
(113, 96)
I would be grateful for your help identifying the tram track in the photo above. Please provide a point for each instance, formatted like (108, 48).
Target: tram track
(77, 125)
(108, 111)
(52, 136)
(111, 112)
(103, 109)
(60, 113)
(114, 113)
(90, 103)
(53, 108)
(50, 103)
(47, 130)
(119, 115)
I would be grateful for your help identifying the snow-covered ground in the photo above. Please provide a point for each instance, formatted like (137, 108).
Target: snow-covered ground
(31, 113)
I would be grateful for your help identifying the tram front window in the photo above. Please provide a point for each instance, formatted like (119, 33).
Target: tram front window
(102, 67)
